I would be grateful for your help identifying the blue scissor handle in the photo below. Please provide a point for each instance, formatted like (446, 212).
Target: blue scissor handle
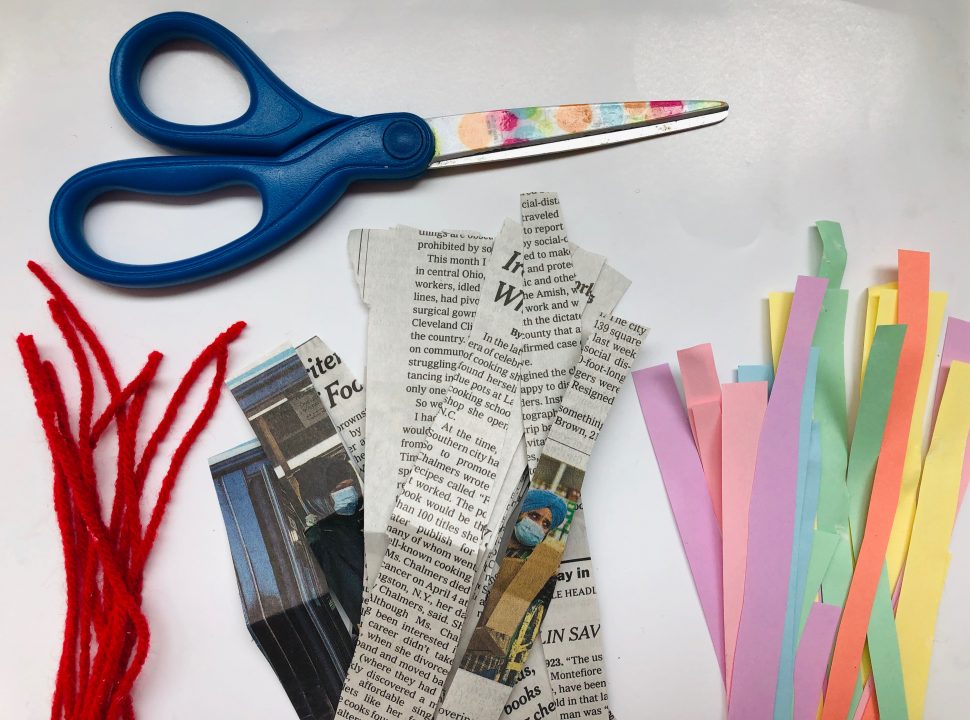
(296, 189)
(276, 120)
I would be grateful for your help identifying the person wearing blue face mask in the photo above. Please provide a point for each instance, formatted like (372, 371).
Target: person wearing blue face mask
(335, 528)
(491, 653)
(541, 511)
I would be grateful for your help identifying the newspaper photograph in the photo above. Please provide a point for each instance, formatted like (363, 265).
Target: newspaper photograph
(310, 464)
(527, 575)
(289, 609)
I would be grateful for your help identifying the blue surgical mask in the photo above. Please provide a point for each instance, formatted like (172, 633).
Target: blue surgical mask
(345, 500)
(529, 532)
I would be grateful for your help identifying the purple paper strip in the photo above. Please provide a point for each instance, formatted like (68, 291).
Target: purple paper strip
(812, 659)
(683, 477)
(771, 517)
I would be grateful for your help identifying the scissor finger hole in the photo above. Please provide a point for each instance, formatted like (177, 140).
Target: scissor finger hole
(188, 82)
(143, 229)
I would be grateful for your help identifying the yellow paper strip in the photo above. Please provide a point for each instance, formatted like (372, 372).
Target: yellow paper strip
(906, 510)
(880, 310)
(939, 492)
(779, 308)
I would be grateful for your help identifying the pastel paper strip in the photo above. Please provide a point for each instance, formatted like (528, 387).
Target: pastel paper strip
(801, 549)
(914, 270)
(702, 393)
(877, 392)
(884, 656)
(743, 409)
(809, 511)
(880, 310)
(683, 478)
(939, 492)
(813, 659)
(834, 255)
(779, 307)
(771, 517)
(956, 346)
(913, 467)
(756, 373)
(830, 411)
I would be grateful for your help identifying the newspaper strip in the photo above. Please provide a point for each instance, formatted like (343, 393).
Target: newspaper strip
(412, 388)
(549, 324)
(342, 395)
(314, 476)
(417, 604)
(609, 286)
(422, 289)
(528, 574)
(551, 320)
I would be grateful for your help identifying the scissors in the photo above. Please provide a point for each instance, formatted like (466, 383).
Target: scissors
(301, 158)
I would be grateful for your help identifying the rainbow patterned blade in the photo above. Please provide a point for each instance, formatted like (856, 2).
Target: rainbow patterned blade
(526, 132)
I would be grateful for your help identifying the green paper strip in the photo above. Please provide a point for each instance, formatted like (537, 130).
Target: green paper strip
(830, 413)
(884, 655)
(834, 254)
(877, 391)
(877, 388)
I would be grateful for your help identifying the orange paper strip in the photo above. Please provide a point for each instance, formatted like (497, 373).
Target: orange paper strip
(914, 272)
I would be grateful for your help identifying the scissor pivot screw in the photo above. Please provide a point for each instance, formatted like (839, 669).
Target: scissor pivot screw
(403, 139)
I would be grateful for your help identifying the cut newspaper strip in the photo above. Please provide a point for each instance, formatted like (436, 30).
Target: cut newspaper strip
(416, 606)
(550, 331)
(548, 277)
(526, 581)
(565, 287)
(422, 289)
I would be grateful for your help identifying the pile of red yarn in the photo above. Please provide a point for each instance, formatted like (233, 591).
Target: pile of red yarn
(106, 634)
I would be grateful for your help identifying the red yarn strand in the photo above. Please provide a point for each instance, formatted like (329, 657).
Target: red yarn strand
(104, 561)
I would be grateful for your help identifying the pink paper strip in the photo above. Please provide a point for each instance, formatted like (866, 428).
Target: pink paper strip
(812, 658)
(683, 478)
(702, 392)
(864, 700)
(956, 346)
(771, 517)
(743, 408)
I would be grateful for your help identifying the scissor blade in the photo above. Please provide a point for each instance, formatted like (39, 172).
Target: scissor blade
(520, 133)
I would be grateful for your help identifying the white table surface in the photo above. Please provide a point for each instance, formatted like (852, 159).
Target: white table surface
(850, 111)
